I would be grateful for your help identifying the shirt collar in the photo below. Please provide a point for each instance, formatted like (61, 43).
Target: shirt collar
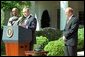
(70, 17)
(29, 16)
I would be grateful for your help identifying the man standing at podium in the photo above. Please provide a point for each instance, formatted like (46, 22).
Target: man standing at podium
(14, 17)
(29, 22)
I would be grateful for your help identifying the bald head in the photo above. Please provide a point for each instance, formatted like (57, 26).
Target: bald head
(26, 12)
(15, 12)
(69, 11)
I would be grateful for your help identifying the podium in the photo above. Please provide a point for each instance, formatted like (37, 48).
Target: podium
(16, 39)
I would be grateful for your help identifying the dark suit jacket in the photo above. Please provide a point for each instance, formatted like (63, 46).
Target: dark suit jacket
(71, 31)
(31, 23)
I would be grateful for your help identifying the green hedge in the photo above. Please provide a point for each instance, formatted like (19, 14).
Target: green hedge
(80, 39)
(50, 33)
(40, 43)
(55, 48)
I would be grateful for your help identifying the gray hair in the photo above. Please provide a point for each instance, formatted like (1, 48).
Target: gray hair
(70, 9)
(26, 8)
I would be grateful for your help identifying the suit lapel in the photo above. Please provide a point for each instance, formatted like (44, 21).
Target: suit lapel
(69, 22)
(29, 20)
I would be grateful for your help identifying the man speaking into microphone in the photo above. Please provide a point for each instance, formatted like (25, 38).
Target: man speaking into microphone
(28, 21)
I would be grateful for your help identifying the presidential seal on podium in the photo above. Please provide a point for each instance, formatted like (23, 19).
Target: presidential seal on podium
(10, 32)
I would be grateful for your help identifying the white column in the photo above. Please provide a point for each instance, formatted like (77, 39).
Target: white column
(63, 6)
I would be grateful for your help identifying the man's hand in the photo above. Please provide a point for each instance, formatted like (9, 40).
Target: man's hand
(64, 38)
(24, 26)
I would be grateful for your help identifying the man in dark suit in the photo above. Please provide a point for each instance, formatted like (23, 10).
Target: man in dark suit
(70, 33)
(29, 22)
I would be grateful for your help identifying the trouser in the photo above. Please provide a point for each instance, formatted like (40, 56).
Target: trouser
(33, 42)
(70, 50)
(31, 45)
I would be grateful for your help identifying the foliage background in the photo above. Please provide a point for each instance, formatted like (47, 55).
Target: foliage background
(8, 5)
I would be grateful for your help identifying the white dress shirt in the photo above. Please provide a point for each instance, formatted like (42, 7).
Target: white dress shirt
(69, 18)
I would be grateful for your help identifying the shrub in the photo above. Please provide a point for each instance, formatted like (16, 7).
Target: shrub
(50, 33)
(80, 39)
(40, 43)
(55, 48)
(81, 26)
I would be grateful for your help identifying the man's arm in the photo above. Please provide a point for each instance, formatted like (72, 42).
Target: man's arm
(9, 22)
(33, 24)
(74, 27)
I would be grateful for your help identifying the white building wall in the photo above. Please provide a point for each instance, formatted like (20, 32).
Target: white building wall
(77, 6)
(52, 6)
